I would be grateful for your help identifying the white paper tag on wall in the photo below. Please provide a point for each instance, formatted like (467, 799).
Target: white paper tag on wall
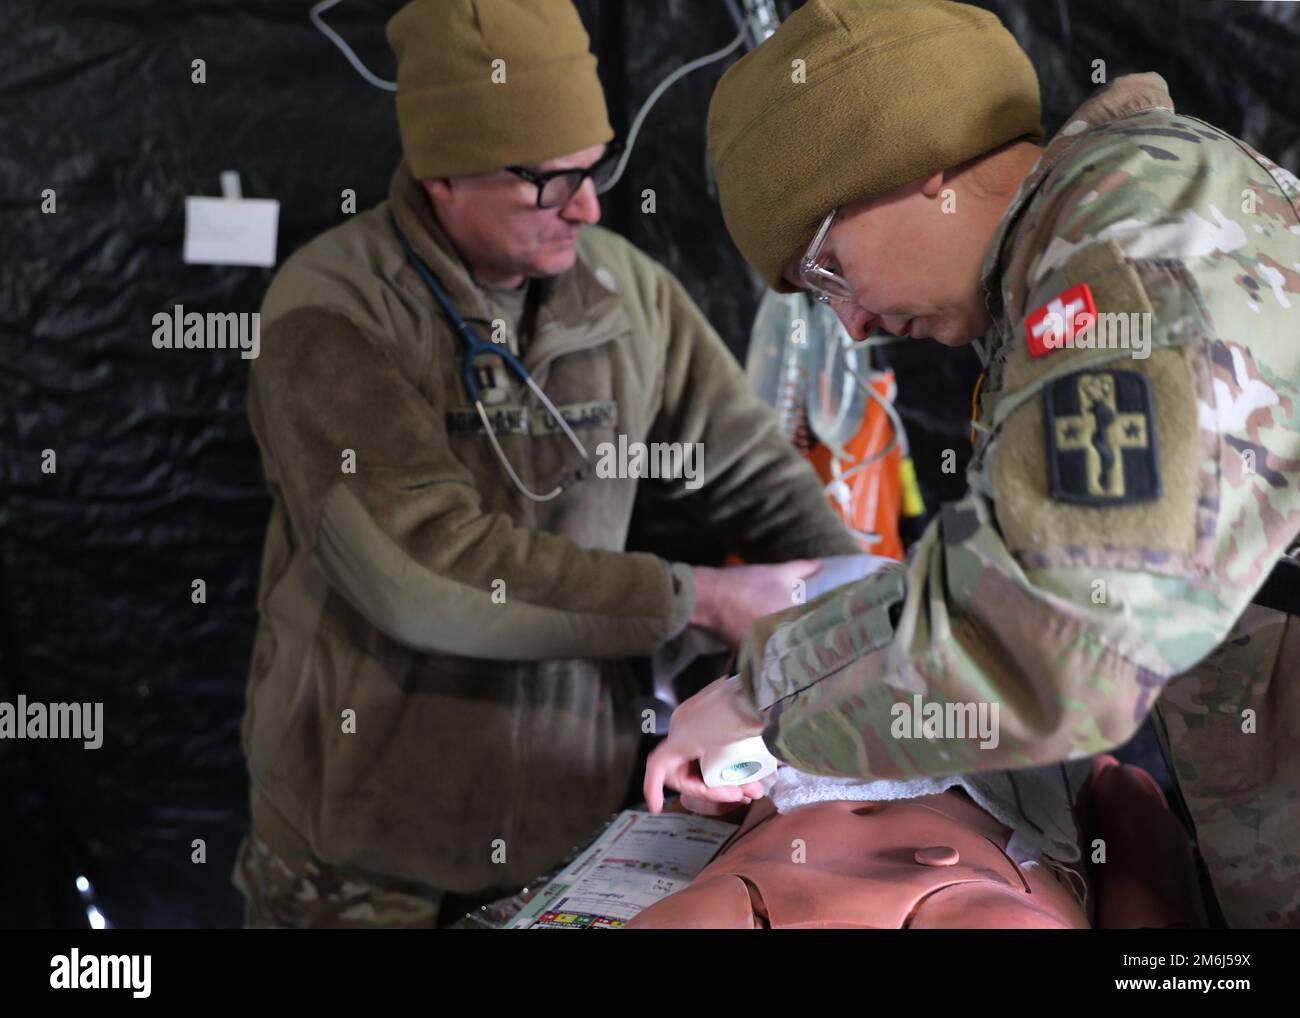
(230, 231)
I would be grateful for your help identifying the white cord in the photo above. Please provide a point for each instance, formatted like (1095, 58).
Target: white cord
(894, 419)
(496, 446)
(654, 96)
(557, 416)
(559, 419)
(391, 86)
(899, 436)
(875, 457)
(335, 38)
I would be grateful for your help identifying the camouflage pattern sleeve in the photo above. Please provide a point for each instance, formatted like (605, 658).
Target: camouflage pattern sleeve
(1135, 478)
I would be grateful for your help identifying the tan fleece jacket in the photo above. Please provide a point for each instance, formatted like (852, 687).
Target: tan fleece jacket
(438, 691)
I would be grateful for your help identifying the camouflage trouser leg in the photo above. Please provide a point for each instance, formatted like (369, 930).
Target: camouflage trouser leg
(286, 886)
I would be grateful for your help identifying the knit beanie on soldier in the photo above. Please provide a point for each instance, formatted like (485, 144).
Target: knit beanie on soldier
(484, 84)
(852, 99)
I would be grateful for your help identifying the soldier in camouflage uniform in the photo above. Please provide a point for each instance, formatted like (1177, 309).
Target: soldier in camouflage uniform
(1125, 505)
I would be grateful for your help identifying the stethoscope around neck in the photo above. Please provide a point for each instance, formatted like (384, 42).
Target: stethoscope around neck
(474, 347)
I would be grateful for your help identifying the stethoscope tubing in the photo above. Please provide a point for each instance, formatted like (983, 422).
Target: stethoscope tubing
(474, 347)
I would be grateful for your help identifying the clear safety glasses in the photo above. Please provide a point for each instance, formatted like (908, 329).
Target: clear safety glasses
(823, 284)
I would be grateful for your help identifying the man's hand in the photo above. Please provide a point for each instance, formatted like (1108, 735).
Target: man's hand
(716, 716)
(728, 601)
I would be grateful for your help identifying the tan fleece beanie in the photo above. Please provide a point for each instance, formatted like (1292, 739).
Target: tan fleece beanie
(852, 99)
(484, 84)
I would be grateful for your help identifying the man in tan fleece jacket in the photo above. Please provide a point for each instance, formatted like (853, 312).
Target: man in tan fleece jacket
(438, 699)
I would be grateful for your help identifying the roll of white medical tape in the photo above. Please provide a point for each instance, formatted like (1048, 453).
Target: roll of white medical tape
(738, 763)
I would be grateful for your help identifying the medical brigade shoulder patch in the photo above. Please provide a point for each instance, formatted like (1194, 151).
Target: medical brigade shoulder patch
(1101, 438)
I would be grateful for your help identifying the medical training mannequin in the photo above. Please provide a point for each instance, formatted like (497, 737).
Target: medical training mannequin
(940, 861)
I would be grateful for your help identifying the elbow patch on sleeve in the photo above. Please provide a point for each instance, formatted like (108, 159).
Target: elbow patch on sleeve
(426, 610)
(800, 646)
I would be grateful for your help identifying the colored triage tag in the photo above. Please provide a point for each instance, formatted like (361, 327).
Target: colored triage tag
(1055, 324)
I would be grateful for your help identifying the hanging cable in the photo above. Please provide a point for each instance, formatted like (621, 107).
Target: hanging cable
(391, 86)
(658, 91)
(887, 405)
(337, 39)
(837, 487)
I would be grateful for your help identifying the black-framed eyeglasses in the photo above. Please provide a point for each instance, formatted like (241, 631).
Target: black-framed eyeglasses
(557, 187)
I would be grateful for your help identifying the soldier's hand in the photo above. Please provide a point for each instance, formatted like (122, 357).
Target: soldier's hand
(728, 601)
(719, 714)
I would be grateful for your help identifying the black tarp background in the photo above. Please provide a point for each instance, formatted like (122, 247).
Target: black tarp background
(158, 480)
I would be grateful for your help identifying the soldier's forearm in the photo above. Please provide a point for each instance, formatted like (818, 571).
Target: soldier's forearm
(704, 606)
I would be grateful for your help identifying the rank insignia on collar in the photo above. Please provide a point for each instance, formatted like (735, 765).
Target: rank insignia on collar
(1056, 323)
(1101, 438)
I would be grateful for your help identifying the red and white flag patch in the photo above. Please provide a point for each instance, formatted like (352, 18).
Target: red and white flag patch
(1055, 324)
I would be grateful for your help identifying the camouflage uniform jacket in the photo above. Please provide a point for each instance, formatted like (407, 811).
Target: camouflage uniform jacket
(1123, 510)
